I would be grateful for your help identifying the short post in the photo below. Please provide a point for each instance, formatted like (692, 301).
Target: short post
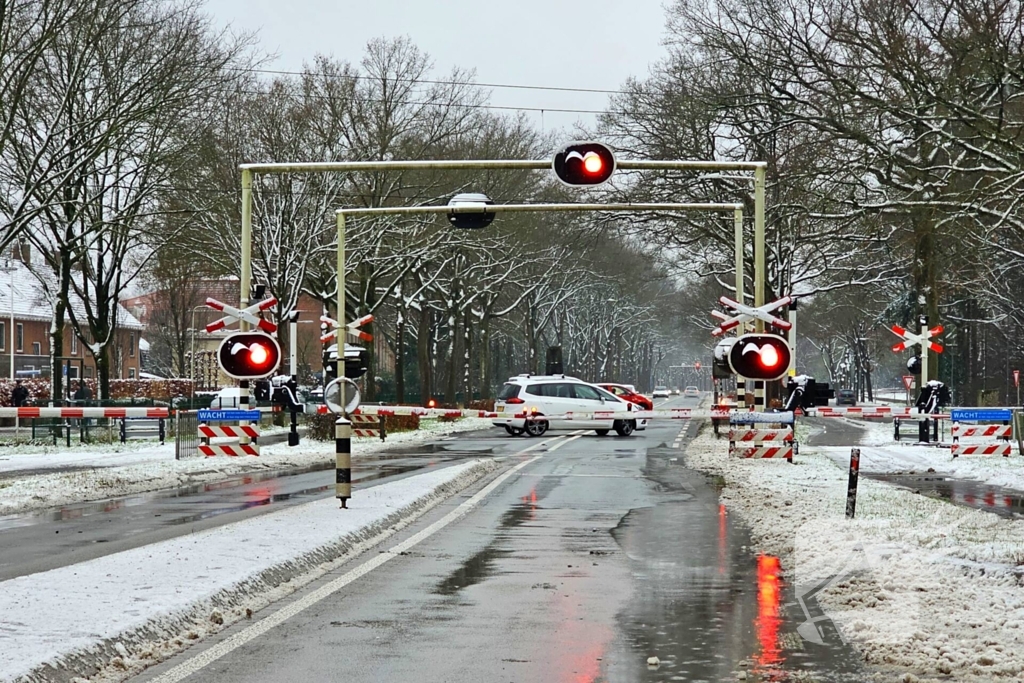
(67, 433)
(293, 432)
(162, 431)
(383, 435)
(122, 430)
(851, 491)
(343, 460)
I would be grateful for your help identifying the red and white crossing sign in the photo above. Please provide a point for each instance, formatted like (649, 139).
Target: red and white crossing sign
(908, 382)
(247, 314)
(912, 339)
(745, 314)
(351, 329)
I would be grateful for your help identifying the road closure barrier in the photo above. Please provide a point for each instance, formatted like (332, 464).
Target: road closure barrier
(29, 412)
(986, 424)
(762, 435)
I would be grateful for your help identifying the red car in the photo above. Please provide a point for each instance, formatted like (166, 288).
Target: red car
(628, 394)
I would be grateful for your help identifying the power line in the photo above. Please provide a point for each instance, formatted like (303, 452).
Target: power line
(428, 81)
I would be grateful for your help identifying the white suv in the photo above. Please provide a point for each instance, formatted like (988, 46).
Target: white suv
(557, 395)
(661, 391)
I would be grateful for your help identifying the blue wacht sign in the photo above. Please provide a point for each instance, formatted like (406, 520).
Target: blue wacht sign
(228, 415)
(972, 414)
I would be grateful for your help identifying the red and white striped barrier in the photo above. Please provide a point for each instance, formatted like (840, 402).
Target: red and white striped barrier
(231, 449)
(29, 412)
(671, 414)
(780, 452)
(865, 411)
(227, 431)
(998, 431)
(760, 435)
(981, 449)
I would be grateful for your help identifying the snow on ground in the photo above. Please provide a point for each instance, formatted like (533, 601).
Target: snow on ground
(138, 606)
(138, 467)
(880, 454)
(926, 590)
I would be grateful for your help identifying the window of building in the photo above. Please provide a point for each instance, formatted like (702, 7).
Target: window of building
(19, 341)
(74, 345)
(3, 336)
(37, 349)
(131, 373)
(88, 373)
(131, 345)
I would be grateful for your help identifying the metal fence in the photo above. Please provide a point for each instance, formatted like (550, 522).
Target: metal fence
(186, 434)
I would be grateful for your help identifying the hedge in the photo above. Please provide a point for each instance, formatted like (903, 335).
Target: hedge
(155, 389)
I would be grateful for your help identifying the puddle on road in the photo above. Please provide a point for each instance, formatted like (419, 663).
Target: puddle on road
(482, 564)
(704, 604)
(975, 494)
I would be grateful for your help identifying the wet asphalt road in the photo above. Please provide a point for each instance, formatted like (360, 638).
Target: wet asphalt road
(47, 539)
(599, 554)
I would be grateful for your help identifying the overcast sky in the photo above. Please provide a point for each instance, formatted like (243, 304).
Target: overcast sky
(562, 43)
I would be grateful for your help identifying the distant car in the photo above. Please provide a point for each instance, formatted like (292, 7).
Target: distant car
(557, 395)
(846, 397)
(661, 392)
(691, 392)
(628, 393)
(675, 390)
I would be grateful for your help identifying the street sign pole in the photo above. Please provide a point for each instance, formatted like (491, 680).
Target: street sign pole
(1016, 383)
(340, 370)
(924, 355)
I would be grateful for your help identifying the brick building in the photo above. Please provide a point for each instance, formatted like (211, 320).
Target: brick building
(25, 320)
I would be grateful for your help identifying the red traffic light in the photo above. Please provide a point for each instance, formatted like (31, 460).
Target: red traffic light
(584, 163)
(760, 356)
(696, 365)
(249, 355)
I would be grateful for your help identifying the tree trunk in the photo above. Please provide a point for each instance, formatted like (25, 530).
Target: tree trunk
(485, 357)
(400, 358)
(423, 356)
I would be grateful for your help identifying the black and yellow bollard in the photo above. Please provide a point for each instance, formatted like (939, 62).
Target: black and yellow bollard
(343, 460)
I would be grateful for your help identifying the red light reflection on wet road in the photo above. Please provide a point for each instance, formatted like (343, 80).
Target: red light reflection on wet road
(768, 621)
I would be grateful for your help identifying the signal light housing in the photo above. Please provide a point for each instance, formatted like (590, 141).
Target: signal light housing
(760, 356)
(249, 355)
(584, 163)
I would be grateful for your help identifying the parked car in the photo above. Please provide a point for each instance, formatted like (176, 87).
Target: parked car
(846, 397)
(691, 392)
(628, 393)
(661, 391)
(557, 395)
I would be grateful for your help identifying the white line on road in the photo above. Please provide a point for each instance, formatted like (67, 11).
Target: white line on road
(209, 656)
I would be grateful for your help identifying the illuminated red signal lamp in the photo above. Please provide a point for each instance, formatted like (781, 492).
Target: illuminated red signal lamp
(249, 355)
(584, 163)
(760, 356)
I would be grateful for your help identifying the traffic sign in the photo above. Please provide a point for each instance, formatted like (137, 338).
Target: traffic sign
(351, 328)
(247, 314)
(968, 415)
(228, 415)
(908, 382)
(912, 339)
(745, 314)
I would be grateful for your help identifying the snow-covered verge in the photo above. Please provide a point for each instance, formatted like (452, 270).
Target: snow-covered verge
(151, 468)
(925, 590)
(123, 612)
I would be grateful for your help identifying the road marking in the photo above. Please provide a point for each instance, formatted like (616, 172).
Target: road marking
(212, 654)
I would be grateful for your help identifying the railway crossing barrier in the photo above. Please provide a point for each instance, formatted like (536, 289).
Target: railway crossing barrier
(987, 423)
(368, 425)
(765, 439)
(243, 432)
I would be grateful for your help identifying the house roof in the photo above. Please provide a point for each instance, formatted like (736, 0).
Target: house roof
(21, 290)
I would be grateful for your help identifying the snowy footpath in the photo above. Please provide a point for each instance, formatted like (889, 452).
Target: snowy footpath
(924, 589)
(36, 477)
(123, 612)
(879, 453)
